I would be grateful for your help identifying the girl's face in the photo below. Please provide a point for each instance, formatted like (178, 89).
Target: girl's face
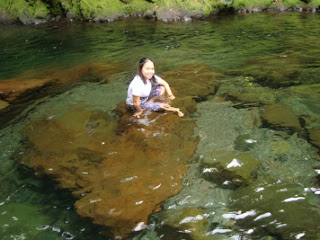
(148, 70)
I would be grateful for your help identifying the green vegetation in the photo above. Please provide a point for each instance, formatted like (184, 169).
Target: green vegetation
(314, 3)
(33, 11)
(26, 11)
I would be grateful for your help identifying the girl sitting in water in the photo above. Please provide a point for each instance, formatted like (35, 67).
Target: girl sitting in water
(146, 87)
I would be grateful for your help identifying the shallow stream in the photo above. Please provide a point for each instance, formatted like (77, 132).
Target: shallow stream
(242, 164)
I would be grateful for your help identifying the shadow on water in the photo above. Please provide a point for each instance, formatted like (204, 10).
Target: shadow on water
(35, 208)
(242, 164)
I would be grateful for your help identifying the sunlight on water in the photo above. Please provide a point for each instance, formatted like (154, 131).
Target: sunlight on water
(242, 164)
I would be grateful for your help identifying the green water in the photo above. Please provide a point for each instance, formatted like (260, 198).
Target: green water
(261, 58)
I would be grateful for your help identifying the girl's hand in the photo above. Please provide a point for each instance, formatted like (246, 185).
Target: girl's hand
(137, 114)
(171, 97)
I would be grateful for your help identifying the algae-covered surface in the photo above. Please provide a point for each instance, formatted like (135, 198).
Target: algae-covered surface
(243, 163)
(40, 11)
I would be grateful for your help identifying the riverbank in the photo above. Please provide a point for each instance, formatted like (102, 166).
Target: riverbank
(41, 11)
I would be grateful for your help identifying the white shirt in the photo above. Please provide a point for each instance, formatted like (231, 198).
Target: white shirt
(138, 88)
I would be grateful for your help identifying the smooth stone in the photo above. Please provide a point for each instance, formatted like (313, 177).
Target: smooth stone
(314, 135)
(281, 116)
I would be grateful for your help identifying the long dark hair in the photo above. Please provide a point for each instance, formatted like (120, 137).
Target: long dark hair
(141, 64)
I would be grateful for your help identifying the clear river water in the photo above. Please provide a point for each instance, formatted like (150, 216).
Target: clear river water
(243, 163)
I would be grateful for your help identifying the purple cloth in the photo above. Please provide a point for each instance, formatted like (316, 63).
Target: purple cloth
(155, 106)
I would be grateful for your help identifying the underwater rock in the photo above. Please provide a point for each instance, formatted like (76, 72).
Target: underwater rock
(276, 209)
(220, 124)
(251, 97)
(118, 179)
(198, 81)
(269, 71)
(287, 159)
(229, 169)
(243, 89)
(187, 223)
(10, 89)
(304, 102)
(244, 143)
(3, 104)
(314, 135)
(281, 116)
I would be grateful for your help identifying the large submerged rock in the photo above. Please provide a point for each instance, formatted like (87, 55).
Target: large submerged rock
(279, 209)
(229, 169)
(119, 168)
(118, 179)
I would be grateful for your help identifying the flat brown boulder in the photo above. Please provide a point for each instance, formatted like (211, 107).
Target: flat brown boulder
(118, 178)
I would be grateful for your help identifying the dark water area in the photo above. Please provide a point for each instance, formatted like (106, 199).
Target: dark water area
(242, 164)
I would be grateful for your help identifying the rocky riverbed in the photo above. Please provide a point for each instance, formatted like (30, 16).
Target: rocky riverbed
(195, 177)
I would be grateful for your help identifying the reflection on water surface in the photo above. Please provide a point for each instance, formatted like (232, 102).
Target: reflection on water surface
(242, 164)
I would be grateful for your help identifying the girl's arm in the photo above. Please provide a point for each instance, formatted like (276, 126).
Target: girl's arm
(166, 87)
(136, 104)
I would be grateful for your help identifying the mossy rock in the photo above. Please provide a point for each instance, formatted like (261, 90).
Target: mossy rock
(3, 104)
(198, 81)
(268, 70)
(229, 169)
(277, 209)
(245, 90)
(304, 101)
(31, 12)
(185, 223)
(314, 135)
(244, 143)
(281, 116)
(251, 97)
